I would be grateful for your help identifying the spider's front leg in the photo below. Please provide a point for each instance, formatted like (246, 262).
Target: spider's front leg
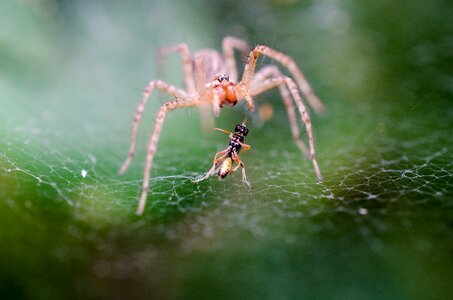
(287, 62)
(152, 144)
(228, 45)
(292, 87)
(164, 87)
(243, 90)
(259, 85)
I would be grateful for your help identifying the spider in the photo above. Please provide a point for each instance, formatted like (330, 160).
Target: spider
(223, 88)
(230, 154)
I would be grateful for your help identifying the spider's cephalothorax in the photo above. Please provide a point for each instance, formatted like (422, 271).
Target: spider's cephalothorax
(223, 160)
(225, 90)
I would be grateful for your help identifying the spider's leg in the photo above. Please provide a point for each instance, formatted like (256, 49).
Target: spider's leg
(216, 103)
(242, 90)
(276, 81)
(306, 119)
(217, 159)
(164, 87)
(205, 110)
(228, 45)
(257, 86)
(241, 164)
(152, 144)
(187, 64)
(287, 62)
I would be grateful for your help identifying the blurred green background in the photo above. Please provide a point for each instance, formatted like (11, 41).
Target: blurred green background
(378, 227)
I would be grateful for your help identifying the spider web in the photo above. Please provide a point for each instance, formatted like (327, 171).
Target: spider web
(80, 170)
(76, 155)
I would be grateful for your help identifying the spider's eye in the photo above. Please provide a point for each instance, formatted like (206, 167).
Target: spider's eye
(223, 77)
(237, 128)
(245, 131)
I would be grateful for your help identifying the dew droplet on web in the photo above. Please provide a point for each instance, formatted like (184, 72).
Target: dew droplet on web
(84, 173)
(363, 211)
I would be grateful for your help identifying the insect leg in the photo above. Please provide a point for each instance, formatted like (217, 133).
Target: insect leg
(241, 164)
(217, 159)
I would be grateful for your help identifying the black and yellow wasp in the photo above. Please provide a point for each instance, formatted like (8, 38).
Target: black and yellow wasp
(223, 160)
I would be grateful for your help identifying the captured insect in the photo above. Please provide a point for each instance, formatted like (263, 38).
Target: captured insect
(223, 160)
(211, 82)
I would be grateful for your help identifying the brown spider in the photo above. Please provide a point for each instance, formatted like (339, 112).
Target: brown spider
(224, 89)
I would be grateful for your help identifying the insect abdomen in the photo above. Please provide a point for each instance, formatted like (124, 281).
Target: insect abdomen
(225, 167)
